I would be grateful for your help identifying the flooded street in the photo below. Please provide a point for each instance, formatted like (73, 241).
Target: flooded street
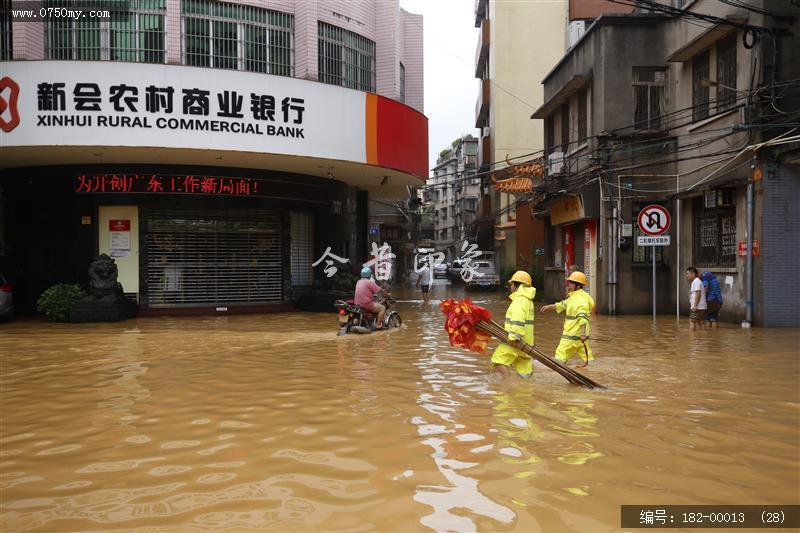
(272, 422)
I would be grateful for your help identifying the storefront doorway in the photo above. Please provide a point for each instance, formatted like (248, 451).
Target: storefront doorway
(194, 257)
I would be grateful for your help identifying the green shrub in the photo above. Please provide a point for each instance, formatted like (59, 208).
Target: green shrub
(57, 301)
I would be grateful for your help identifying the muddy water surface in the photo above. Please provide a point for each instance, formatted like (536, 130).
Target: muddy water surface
(275, 423)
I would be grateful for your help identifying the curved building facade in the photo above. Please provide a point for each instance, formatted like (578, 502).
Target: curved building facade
(216, 150)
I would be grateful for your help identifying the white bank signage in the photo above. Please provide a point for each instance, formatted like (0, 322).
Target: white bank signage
(74, 103)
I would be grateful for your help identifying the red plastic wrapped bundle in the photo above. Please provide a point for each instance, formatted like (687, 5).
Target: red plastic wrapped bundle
(460, 320)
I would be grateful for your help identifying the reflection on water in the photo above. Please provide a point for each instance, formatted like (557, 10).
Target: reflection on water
(275, 423)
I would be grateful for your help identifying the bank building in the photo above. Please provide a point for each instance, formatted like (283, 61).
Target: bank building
(214, 149)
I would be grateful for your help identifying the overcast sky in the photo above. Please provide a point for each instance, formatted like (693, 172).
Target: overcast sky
(450, 84)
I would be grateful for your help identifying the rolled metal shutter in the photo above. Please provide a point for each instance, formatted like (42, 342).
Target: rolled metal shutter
(302, 248)
(209, 257)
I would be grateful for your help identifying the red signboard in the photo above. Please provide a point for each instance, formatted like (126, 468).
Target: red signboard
(169, 184)
(569, 246)
(198, 184)
(742, 250)
(119, 225)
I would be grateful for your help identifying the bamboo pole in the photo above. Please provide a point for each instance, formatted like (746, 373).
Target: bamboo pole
(573, 376)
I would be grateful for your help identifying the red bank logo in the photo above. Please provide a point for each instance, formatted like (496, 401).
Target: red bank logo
(9, 114)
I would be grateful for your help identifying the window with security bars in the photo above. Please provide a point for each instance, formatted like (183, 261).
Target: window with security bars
(6, 38)
(135, 34)
(583, 116)
(726, 72)
(700, 96)
(564, 127)
(649, 98)
(346, 58)
(715, 230)
(237, 37)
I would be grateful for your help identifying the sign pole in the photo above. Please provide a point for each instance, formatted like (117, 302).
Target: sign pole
(653, 248)
(653, 221)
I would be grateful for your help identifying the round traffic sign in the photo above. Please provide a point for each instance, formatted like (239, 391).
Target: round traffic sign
(653, 220)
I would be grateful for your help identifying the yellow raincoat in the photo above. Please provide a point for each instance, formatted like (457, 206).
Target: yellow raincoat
(577, 307)
(519, 325)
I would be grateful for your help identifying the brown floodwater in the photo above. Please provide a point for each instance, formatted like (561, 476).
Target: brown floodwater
(275, 423)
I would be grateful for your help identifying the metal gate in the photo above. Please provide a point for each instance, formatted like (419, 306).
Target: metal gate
(209, 257)
(301, 232)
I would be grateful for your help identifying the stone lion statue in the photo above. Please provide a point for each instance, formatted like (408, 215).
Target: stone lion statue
(103, 284)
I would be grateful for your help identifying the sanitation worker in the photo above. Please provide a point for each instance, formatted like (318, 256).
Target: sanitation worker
(519, 325)
(577, 308)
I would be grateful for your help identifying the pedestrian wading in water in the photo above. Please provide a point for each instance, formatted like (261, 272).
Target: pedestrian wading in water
(697, 299)
(577, 309)
(519, 325)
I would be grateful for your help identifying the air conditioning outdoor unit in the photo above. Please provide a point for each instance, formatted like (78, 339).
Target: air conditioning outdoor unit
(575, 31)
(555, 163)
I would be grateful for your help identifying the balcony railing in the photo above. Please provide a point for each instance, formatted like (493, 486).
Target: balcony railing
(482, 51)
(482, 105)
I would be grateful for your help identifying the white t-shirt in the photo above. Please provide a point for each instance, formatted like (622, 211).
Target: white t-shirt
(697, 285)
(425, 275)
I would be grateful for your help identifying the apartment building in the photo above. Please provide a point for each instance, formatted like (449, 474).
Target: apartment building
(452, 198)
(694, 115)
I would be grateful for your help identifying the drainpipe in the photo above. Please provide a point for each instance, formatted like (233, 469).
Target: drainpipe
(749, 303)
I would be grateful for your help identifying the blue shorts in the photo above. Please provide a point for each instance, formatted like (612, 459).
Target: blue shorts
(425, 288)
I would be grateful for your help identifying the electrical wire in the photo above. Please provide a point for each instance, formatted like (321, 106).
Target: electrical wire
(754, 9)
(561, 147)
(471, 65)
(786, 84)
(685, 14)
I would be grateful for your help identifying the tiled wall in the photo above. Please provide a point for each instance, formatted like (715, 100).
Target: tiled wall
(413, 60)
(397, 34)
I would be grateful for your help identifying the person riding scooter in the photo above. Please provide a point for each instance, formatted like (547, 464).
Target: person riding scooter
(366, 289)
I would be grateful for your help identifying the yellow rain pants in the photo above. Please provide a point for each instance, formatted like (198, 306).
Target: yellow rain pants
(577, 308)
(519, 325)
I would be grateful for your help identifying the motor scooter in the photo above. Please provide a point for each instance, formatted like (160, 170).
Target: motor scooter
(354, 318)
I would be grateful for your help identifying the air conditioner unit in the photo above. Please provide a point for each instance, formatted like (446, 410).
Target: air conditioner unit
(555, 163)
(575, 31)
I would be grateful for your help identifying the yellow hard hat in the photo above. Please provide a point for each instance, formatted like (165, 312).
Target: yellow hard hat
(578, 277)
(523, 277)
